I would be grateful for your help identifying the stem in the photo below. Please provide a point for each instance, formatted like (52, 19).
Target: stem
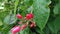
(16, 4)
(32, 9)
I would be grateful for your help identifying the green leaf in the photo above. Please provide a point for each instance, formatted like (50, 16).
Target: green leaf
(55, 25)
(59, 32)
(52, 27)
(3, 14)
(46, 30)
(38, 30)
(30, 9)
(32, 33)
(56, 9)
(25, 4)
(0, 32)
(10, 19)
(1, 23)
(41, 12)
(6, 29)
(9, 32)
(23, 13)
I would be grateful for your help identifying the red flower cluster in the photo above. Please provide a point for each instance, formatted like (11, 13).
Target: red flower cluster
(17, 29)
(28, 16)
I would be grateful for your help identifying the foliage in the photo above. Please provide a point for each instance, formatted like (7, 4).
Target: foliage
(46, 15)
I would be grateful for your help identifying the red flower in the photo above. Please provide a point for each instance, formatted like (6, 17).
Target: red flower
(24, 26)
(19, 16)
(32, 24)
(29, 16)
(15, 29)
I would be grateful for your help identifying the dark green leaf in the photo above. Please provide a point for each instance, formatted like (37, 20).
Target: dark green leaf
(46, 30)
(55, 25)
(6, 29)
(57, 9)
(52, 27)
